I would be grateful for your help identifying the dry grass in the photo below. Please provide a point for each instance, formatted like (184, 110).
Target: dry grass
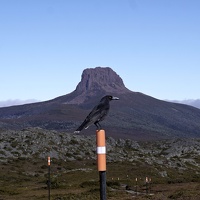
(26, 179)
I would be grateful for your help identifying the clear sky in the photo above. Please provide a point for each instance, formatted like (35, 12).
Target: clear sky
(154, 45)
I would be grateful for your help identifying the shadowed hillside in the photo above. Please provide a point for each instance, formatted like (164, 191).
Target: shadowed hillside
(135, 115)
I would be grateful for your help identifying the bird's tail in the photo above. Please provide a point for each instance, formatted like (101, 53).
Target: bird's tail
(81, 127)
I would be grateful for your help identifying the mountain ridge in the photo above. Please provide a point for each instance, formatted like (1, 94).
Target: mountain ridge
(135, 115)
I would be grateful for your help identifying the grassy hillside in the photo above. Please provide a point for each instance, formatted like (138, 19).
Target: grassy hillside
(26, 179)
(172, 166)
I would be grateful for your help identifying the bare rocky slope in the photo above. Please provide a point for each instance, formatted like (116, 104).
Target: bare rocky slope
(176, 154)
(135, 115)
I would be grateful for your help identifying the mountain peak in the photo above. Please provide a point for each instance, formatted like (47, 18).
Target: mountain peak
(101, 79)
(95, 82)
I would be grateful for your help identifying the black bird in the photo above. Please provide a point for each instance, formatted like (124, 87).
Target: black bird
(97, 114)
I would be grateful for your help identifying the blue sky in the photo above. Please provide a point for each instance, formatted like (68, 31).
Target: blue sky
(154, 45)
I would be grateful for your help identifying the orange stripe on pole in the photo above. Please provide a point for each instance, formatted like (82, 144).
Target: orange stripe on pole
(101, 150)
(49, 161)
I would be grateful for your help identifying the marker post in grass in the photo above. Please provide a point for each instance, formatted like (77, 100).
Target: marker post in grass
(101, 161)
(49, 177)
(136, 185)
(146, 180)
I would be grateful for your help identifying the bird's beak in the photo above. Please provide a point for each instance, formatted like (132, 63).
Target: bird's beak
(115, 98)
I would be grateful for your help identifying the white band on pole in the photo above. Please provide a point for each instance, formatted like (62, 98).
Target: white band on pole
(101, 150)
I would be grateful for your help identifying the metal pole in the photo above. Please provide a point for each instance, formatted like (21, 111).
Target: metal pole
(101, 162)
(102, 176)
(136, 186)
(49, 178)
(146, 185)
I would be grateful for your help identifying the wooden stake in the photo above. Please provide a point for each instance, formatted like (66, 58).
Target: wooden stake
(49, 177)
(101, 161)
(101, 150)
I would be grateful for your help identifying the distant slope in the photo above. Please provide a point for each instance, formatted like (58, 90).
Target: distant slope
(191, 102)
(135, 115)
(14, 102)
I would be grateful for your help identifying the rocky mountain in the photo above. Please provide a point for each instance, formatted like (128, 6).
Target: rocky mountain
(95, 83)
(135, 115)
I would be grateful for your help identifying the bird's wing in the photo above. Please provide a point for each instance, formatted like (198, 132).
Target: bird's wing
(97, 113)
